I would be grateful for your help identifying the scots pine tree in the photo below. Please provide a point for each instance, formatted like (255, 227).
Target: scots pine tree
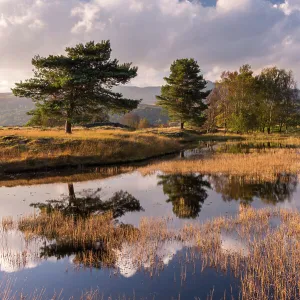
(184, 92)
(78, 83)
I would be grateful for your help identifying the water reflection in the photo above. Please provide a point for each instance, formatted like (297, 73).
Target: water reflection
(250, 147)
(86, 204)
(241, 189)
(97, 255)
(89, 202)
(187, 193)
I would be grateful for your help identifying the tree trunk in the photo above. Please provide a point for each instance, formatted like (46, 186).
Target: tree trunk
(68, 127)
(71, 193)
(269, 130)
(182, 126)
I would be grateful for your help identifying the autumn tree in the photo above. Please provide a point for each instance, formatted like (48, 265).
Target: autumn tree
(131, 120)
(144, 123)
(80, 82)
(279, 96)
(244, 102)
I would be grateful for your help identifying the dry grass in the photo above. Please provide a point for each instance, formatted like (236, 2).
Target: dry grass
(87, 134)
(32, 149)
(7, 286)
(78, 133)
(266, 165)
(80, 233)
(73, 231)
(266, 258)
(290, 139)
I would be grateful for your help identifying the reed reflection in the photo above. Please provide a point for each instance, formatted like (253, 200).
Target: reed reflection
(90, 219)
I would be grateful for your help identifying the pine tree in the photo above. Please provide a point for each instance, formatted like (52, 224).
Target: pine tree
(78, 83)
(183, 94)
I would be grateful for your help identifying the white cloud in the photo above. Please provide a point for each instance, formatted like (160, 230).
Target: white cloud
(230, 5)
(289, 6)
(36, 25)
(4, 86)
(3, 22)
(152, 34)
(87, 14)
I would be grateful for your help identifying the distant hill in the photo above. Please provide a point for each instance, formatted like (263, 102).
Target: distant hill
(148, 94)
(13, 110)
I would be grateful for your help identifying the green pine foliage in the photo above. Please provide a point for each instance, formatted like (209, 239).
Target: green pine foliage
(78, 83)
(183, 94)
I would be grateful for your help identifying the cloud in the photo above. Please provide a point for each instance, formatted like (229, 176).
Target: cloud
(15, 254)
(289, 6)
(127, 264)
(152, 34)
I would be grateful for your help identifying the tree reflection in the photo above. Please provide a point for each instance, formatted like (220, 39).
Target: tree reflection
(92, 255)
(88, 205)
(186, 192)
(89, 202)
(251, 147)
(241, 189)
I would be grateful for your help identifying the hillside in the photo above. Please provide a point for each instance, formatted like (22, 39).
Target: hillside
(13, 110)
(146, 93)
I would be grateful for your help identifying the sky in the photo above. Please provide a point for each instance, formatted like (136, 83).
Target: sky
(220, 35)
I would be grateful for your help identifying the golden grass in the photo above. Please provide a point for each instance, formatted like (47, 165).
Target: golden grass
(82, 233)
(290, 139)
(264, 165)
(82, 133)
(7, 286)
(73, 231)
(32, 149)
(267, 262)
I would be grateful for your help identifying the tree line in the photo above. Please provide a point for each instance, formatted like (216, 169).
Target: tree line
(77, 87)
(243, 102)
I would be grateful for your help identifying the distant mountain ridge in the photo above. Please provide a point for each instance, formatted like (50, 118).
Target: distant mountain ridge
(13, 110)
(148, 94)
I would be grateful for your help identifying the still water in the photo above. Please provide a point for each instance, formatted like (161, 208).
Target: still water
(130, 196)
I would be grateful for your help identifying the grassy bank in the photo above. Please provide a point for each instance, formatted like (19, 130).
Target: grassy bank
(23, 149)
(291, 138)
(32, 149)
(265, 165)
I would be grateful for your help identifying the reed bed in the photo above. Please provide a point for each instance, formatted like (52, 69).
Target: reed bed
(267, 260)
(264, 165)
